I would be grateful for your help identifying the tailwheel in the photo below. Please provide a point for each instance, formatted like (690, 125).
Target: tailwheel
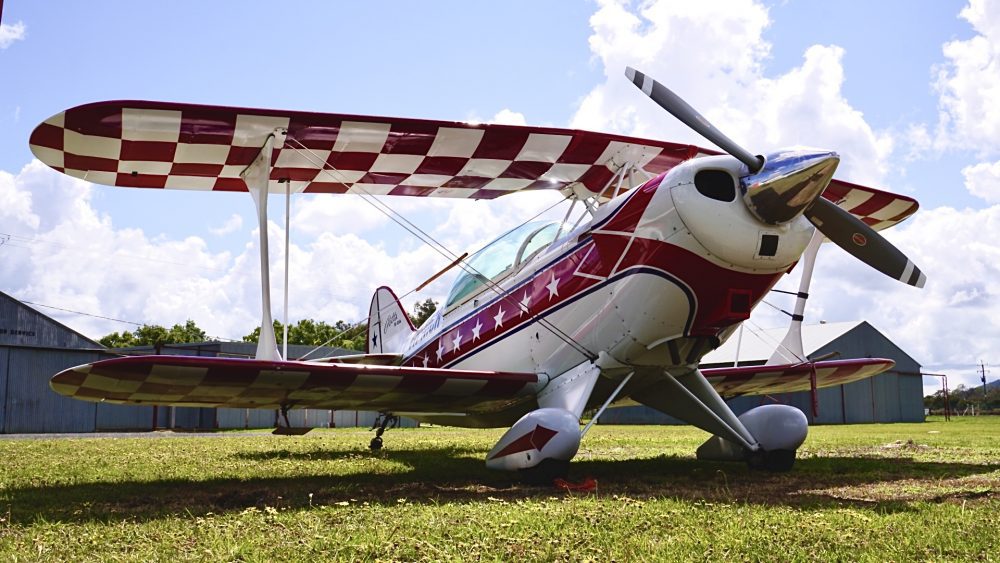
(383, 422)
(775, 461)
(547, 471)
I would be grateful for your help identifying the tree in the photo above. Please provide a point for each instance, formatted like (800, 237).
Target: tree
(318, 333)
(423, 311)
(154, 335)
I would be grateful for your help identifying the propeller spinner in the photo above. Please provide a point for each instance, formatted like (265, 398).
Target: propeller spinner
(778, 189)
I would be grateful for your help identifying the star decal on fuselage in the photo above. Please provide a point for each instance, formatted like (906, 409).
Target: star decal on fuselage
(476, 329)
(525, 301)
(440, 349)
(498, 318)
(553, 286)
(456, 342)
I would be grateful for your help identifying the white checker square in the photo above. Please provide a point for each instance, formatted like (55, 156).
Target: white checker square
(273, 379)
(426, 180)
(189, 183)
(894, 208)
(614, 155)
(90, 145)
(342, 176)
(507, 184)
(854, 198)
(374, 383)
(565, 172)
(144, 167)
(105, 178)
(151, 125)
(187, 153)
(451, 141)
(232, 171)
(252, 130)
(397, 163)
(542, 147)
(58, 120)
(53, 157)
(300, 158)
(358, 136)
(453, 192)
(371, 189)
(176, 375)
(484, 167)
(460, 387)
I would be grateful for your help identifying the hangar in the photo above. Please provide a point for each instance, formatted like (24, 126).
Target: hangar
(33, 347)
(892, 396)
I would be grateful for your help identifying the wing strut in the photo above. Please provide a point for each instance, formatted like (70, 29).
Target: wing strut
(257, 176)
(791, 350)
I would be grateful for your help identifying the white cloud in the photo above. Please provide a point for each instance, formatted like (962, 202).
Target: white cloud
(969, 83)
(508, 117)
(9, 33)
(983, 180)
(233, 224)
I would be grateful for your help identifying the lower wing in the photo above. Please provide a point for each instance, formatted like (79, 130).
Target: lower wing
(762, 380)
(240, 383)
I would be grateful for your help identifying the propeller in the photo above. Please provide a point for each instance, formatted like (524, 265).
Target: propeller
(778, 189)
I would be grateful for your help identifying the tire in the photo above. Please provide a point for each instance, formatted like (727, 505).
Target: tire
(376, 444)
(775, 461)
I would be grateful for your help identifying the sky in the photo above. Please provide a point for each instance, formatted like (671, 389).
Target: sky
(907, 91)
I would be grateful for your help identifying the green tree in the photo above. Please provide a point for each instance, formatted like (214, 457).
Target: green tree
(319, 333)
(423, 311)
(153, 335)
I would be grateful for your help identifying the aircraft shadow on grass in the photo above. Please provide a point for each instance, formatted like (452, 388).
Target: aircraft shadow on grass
(458, 475)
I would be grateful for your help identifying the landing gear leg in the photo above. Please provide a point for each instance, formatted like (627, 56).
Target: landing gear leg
(384, 422)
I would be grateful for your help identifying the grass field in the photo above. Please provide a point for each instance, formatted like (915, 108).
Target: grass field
(868, 492)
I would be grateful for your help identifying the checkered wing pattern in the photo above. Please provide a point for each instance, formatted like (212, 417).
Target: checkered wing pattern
(165, 145)
(878, 209)
(239, 383)
(761, 380)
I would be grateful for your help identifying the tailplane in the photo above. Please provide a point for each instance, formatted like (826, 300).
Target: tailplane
(389, 326)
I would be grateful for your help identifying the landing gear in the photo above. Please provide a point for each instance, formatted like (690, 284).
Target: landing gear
(384, 422)
(775, 461)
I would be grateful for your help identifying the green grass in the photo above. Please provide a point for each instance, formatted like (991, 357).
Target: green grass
(869, 492)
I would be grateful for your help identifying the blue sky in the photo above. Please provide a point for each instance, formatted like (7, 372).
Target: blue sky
(546, 63)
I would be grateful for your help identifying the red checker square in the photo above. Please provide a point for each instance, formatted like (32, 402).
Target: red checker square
(326, 188)
(91, 163)
(315, 133)
(242, 156)
(526, 170)
(153, 151)
(351, 160)
(501, 143)
(443, 165)
(48, 136)
(192, 169)
(870, 221)
(229, 185)
(546, 185)
(500, 388)
(873, 204)
(596, 177)
(667, 159)
(584, 149)
(410, 138)
(489, 194)
(382, 178)
(207, 126)
(95, 119)
(140, 180)
(466, 182)
(294, 174)
(412, 190)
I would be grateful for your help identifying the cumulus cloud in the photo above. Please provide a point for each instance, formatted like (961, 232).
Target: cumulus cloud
(233, 224)
(509, 117)
(983, 180)
(11, 33)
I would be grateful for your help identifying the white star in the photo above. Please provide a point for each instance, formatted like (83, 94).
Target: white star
(456, 341)
(553, 286)
(426, 360)
(525, 301)
(498, 319)
(475, 330)
(440, 350)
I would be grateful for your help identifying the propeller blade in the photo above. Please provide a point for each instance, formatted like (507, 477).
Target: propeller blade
(690, 117)
(862, 242)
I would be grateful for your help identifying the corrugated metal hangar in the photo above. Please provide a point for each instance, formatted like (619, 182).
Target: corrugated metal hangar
(34, 347)
(893, 396)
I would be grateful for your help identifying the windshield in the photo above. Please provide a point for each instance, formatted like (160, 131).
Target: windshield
(501, 257)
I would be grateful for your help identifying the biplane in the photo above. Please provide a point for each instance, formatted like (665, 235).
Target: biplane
(674, 247)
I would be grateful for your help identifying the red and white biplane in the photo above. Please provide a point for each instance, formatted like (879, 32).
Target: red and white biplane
(547, 321)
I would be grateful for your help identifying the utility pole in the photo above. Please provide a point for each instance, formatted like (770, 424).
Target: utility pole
(982, 371)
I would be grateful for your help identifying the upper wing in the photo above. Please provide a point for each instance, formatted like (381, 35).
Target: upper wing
(195, 147)
(761, 380)
(232, 382)
(878, 209)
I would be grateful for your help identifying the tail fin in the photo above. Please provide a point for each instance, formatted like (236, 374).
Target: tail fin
(389, 326)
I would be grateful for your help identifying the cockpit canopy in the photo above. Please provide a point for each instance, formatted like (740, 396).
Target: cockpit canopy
(501, 258)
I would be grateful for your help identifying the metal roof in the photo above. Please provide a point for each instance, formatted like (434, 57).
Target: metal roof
(757, 345)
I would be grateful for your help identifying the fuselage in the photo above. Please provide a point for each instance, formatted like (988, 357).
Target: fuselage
(657, 278)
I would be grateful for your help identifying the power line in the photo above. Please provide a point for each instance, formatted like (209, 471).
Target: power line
(84, 314)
